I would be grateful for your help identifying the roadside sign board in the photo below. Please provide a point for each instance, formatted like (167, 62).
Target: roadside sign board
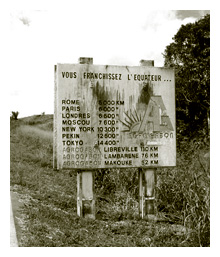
(114, 117)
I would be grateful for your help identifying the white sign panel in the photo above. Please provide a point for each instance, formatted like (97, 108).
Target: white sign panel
(114, 117)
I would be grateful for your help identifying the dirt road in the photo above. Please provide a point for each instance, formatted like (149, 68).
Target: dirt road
(13, 235)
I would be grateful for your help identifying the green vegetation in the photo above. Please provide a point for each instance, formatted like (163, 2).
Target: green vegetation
(49, 198)
(189, 54)
(14, 115)
(182, 193)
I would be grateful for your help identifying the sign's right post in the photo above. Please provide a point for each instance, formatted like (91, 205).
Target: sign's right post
(147, 182)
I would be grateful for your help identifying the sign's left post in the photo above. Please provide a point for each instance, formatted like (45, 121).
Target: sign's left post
(85, 178)
(85, 181)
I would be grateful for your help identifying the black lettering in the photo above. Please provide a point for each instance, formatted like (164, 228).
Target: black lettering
(154, 162)
(66, 122)
(70, 101)
(68, 129)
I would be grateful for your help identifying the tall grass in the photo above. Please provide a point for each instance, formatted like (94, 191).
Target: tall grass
(119, 188)
(51, 220)
(31, 149)
(44, 122)
(184, 193)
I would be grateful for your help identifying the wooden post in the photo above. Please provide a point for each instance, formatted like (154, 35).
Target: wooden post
(141, 194)
(149, 199)
(85, 195)
(147, 181)
(85, 190)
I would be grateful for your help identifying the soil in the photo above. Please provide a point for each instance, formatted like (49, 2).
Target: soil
(17, 204)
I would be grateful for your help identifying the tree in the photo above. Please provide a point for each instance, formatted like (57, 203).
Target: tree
(189, 54)
(14, 115)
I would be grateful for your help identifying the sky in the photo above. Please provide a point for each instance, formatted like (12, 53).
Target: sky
(112, 32)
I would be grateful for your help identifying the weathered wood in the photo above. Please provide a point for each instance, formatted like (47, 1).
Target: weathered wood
(147, 63)
(79, 193)
(150, 179)
(141, 193)
(115, 116)
(85, 181)
(147, 181)
(88, 198)
(55, 120)
(147, 184)
(85, 60)
(85, 194)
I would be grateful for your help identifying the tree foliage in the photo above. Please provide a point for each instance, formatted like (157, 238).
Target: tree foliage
(14, 115)
(189, 54)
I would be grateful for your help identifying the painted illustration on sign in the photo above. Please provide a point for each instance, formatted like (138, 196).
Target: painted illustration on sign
(149, 116)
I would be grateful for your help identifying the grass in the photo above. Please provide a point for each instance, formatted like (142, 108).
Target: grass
(49, 198)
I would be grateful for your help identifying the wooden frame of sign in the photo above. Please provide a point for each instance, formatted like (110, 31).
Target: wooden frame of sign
(114, 117)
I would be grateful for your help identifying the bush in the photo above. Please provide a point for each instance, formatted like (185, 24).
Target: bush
(109, 181)
(14, 115)
(117, 193)
(184, 193)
